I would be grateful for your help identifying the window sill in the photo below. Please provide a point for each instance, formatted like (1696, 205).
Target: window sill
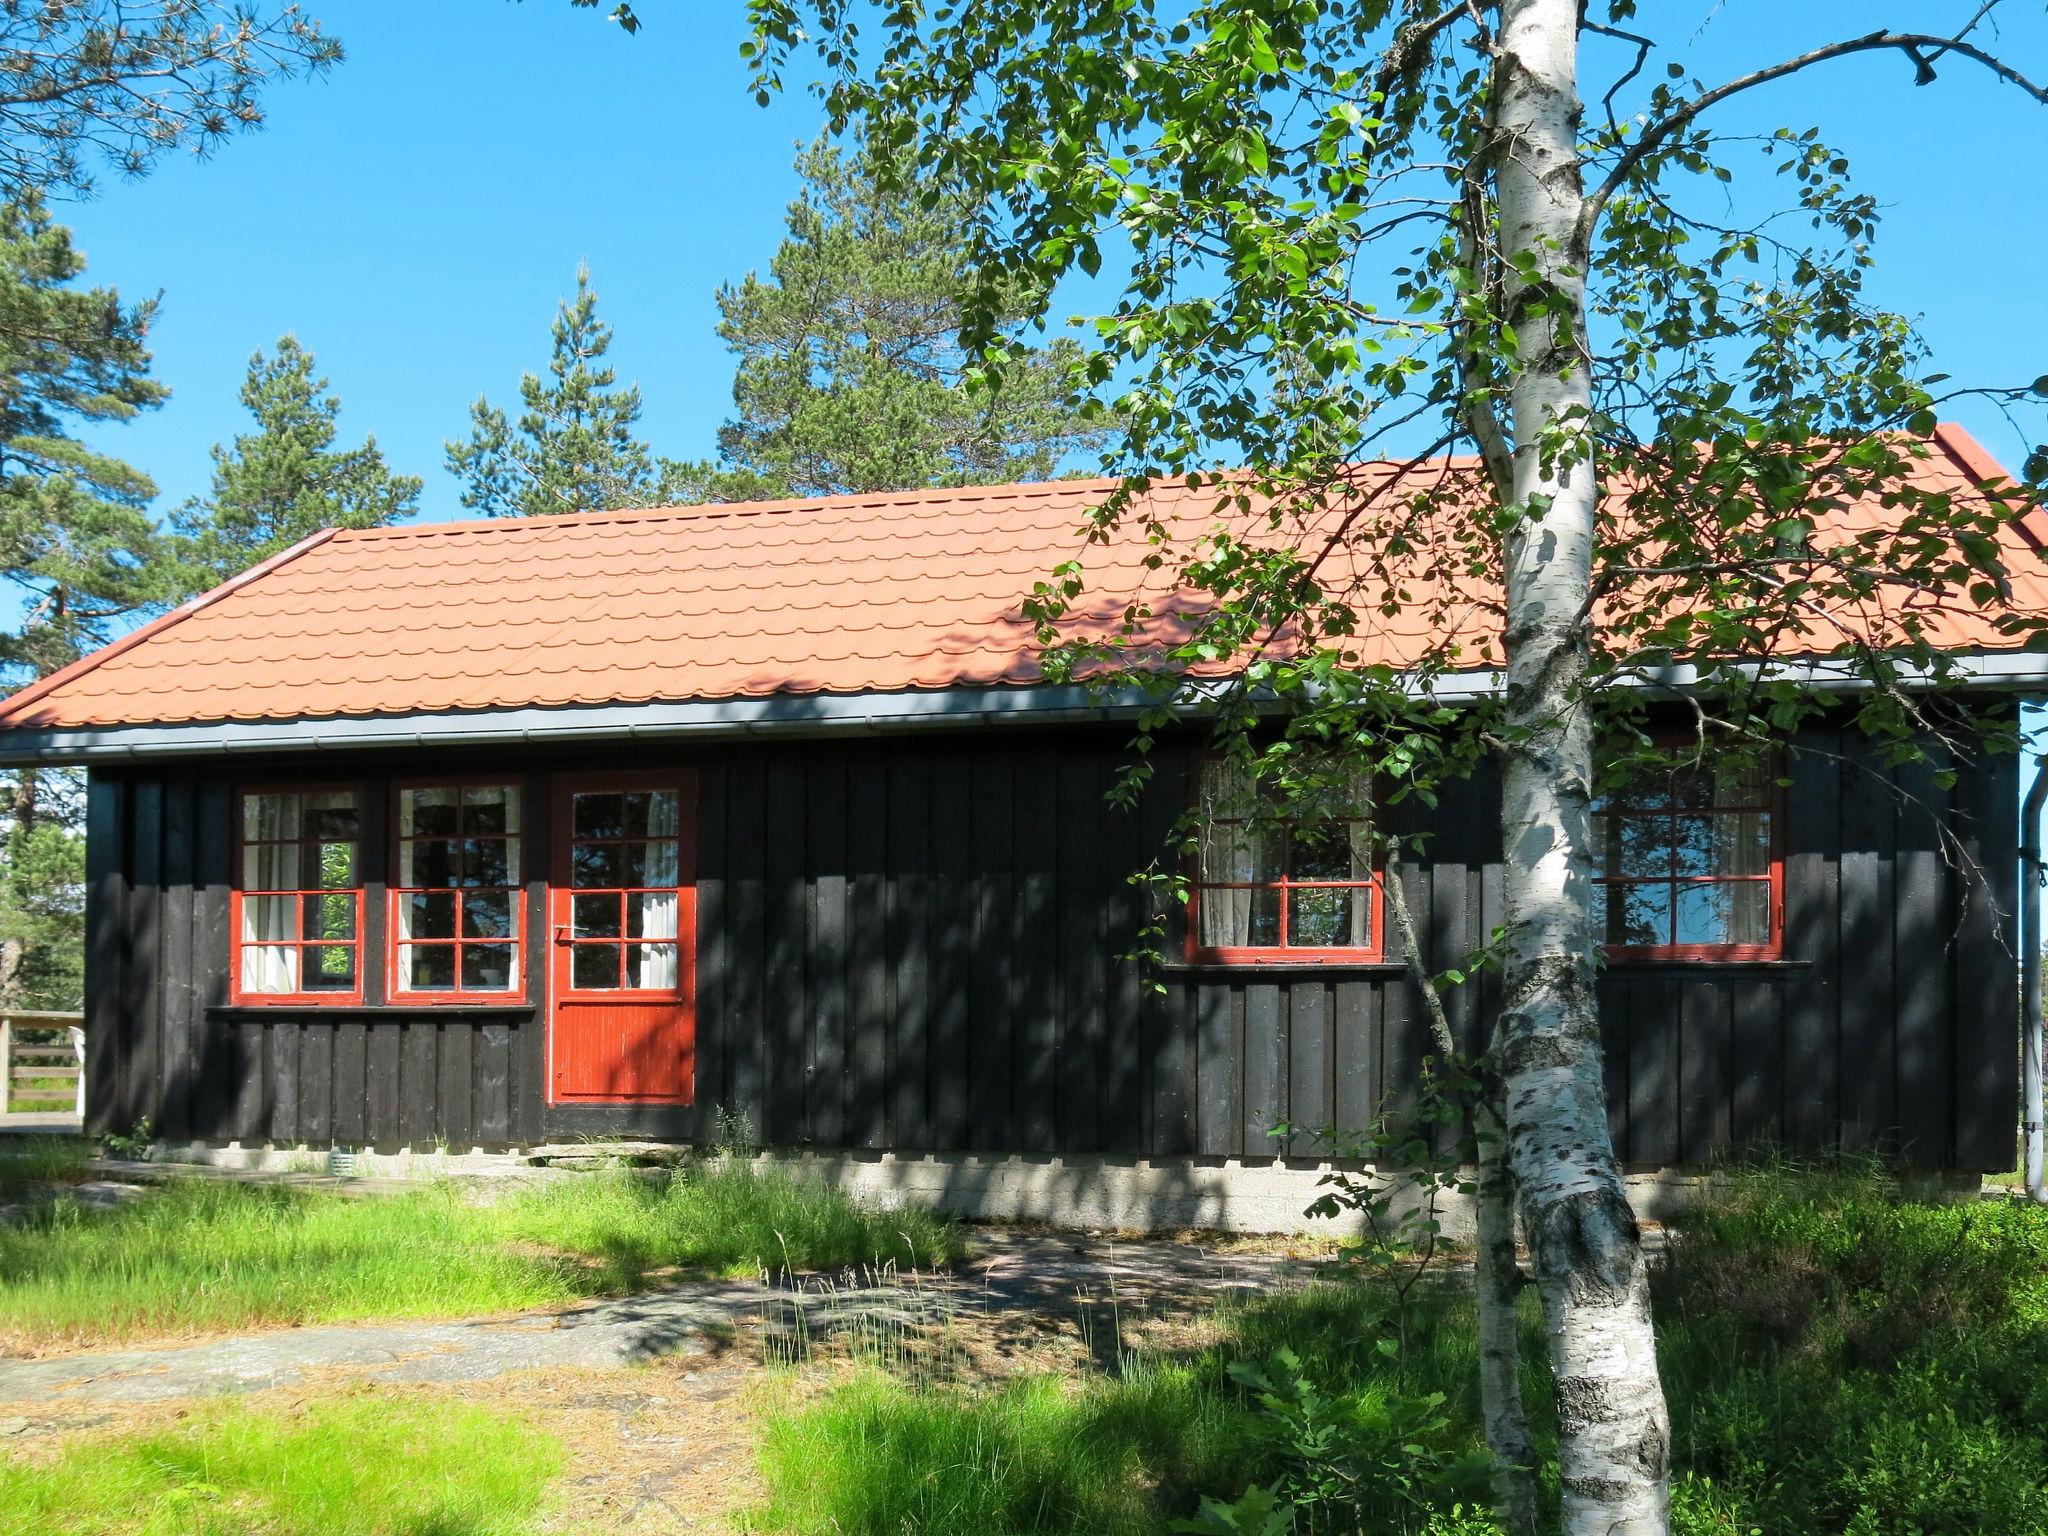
(1700, 963)
(1290, 968)
(256, 1012)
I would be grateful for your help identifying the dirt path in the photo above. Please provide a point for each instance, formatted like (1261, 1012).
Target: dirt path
(1016, 1279)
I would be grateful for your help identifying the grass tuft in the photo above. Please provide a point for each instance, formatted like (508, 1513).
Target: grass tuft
(369, 1464)
(199, 1255)
(26, 1161)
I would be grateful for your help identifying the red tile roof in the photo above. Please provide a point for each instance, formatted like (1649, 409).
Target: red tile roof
(843, 594)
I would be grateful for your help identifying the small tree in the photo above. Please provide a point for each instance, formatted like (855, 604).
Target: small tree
(851, 374)
(1343, 230)
(284, 481)
(76, 542)
(573, 449)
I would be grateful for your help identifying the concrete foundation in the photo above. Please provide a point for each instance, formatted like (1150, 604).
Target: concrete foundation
(1081, 1192)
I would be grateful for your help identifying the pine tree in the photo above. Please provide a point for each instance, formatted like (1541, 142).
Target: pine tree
(75, 543)
(851, 374)
(573, 449)
(284, 481)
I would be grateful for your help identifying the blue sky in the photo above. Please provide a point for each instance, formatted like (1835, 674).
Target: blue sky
(415, 215)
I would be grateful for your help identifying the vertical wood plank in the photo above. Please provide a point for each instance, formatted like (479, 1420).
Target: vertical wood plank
(281, 1066)
(213, 1040)
(316, 1083)
(826, 1091)
(1612, 993)
(454, 1085)
(381, 1082)
(1924, 923)
(1986, 975)
(106, 904)
(1356, 1087)
(1265, 1068)
(1812, 840)
(1308, 1038)
(142, 996)
(952, 940)
(747, 897)
(991, 1046)
(1653, 1047)
(494, 1084)
(1083, 971)
(180, 994)
(419, 1070)
(529, 1088)
(910, 945)
(1125, 1097)
(784, 1009)
(1704, 1097)
(1218, 1069)
(1034, 1027)
(1869, 832)
(712, 1091)
(1757, 1060)
(1173, 1075)
(867, 833)
(351, 1082)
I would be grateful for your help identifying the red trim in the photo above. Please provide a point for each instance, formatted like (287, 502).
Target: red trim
(394, 976)
(326, 997)
(561, 896)
(1774, 878)
(1285, 954)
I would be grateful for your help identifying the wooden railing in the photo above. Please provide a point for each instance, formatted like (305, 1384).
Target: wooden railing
(42, 1061)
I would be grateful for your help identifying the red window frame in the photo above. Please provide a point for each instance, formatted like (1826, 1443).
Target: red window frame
(396, 990)
(564, 891)
(1283, 953)
(325, 997)
(1771, 803)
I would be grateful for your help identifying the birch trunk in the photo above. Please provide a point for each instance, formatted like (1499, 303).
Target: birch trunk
(1613, 1432)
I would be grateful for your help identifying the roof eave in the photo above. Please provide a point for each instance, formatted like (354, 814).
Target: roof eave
(794, 715)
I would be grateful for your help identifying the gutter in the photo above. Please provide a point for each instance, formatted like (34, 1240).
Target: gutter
(2031, 875)
(822, 714)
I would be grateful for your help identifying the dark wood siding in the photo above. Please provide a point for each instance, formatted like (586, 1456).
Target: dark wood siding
(920, 944)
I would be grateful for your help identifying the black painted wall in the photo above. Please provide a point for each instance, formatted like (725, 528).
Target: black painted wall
(913, 943)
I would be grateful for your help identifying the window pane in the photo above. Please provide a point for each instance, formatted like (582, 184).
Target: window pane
(488, 860)
(595, 864)
(427, 915)
(1332, 851)
(490, 809)
(659, 814)
(265, 817)
(271, 867)
(1749, 912)
(337, 865)
(270, 968)
(431, 862)
(651, 915)
(1692, 845)
(1265, 919)
(1637, 846)
(1638, 914)
(1226, 790)
(651, 965)
(429, 812)
(1243, 851)
(1742, 843)
(487, 967)
(1703, 913)
(1329, 919)
(594, 965)
(331, 815)
(332, 916)
(600, 816)
(649, 863)
(269, 918)
(595, 917)
(1741, 780)
(330, 968)
(487, 914)
(427, 967)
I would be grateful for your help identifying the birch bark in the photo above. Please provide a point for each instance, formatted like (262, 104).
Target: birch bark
(1614, 1434)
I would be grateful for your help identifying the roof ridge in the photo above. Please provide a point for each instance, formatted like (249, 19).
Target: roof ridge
(93, 660)
(709, 510)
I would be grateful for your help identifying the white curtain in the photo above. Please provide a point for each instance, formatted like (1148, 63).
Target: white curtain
(270, 962)
(657, 920)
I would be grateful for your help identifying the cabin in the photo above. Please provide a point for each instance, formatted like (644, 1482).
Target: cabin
(484, 836)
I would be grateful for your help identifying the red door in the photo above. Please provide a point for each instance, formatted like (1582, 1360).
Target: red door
(622, 921)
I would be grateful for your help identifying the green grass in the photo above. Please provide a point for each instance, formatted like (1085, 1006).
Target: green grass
(363, 1465)
(31, 1160)
(199, 1255)
(1840, 1361)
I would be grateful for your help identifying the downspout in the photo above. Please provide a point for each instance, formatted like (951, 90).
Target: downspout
(2030, 983)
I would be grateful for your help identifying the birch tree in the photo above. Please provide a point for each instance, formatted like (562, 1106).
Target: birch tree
(1347, 231)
